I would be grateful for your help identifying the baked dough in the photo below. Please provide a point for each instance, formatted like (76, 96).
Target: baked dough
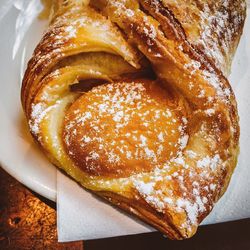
(130, 98)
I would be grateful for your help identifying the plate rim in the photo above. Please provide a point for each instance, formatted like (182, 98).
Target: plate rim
(49, 192)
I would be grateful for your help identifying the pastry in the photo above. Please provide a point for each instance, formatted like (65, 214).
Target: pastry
(131, 99)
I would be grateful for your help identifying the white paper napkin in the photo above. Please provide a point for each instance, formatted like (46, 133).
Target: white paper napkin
(82, 216)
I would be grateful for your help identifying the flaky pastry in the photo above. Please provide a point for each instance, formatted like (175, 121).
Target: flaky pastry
(130, 98)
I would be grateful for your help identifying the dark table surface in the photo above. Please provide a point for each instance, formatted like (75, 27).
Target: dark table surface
(28, 221)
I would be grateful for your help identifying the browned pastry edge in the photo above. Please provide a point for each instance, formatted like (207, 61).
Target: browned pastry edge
(146, 213)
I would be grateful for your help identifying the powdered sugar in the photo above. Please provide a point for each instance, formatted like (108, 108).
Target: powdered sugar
(147, 191)
(190, 208)
(211, 162)
(135, 121)
(38, 113)
(71, 31)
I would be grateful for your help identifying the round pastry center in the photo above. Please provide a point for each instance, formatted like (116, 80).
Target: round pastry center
(120, 129)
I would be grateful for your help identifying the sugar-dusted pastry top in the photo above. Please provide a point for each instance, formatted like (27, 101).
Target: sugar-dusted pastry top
(121, 129)
(130, 98)
(217, 28)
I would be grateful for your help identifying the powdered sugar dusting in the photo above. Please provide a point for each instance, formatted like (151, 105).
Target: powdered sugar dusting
(211, 162)
(38, 113)
(71, 31)
(147, 191)
(123, 122)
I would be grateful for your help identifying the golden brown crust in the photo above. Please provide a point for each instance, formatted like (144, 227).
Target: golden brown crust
(121, 129)
(162, 149)
(217, 30)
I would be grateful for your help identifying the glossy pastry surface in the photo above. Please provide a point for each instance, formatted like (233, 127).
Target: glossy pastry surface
(130, 98)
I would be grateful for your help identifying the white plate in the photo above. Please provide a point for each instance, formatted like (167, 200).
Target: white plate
(20, 31)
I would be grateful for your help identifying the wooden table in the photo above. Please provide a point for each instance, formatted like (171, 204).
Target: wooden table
(28, 221)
